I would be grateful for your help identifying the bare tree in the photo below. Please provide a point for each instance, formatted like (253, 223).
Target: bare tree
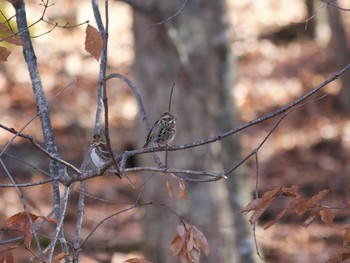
(186, 43)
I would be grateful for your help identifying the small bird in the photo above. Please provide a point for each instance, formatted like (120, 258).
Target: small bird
(163, 130)
(99, 153)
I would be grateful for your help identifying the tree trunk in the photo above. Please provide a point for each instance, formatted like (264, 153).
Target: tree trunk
(192, 49)
(341, 53)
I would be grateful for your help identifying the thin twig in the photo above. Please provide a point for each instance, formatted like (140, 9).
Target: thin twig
(171, 96)
(58, 231)
(175, 171)
(172, 16)
(37, 145)
(128, 209)
(102, 72)
(329, 3)
(27, 184)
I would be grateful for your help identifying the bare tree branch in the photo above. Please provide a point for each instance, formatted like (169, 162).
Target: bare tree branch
(42, 106)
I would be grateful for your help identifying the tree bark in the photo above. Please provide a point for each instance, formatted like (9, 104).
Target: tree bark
(192, 49)
(341, 54)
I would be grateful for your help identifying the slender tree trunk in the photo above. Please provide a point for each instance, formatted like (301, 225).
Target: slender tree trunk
(341, 53)
(192, 49)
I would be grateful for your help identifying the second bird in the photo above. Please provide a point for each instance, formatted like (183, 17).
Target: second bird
(163, 130)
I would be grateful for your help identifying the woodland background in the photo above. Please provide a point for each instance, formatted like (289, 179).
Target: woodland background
(277, 58)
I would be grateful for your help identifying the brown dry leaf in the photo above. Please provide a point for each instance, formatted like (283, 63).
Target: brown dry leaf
(182, 194)
(278, 217)
(260, 205)
(340, 256)
(11, 38)
(327, 217)
(176, 245)
(136, 260)
(290, 191)
(316, 199)
(93, 42)
(6, 255)
(200, 240)
(188, 244)
(4, 53)
(168, 187)
(15, 40)
(298, 205)
(59, 257)
(346, 236)
(21, 222)
(312, 217)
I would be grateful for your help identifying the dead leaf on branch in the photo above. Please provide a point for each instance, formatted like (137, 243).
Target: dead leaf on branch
(298, 205)
(340, 256)
(93, 42)
(6, 255)
(314, 213)
(278, 217)
(290, 191)
(4, 53)
(260, 205)
(168, 187)
(316, 199)
(327, 216)
(20, 222)
(11, 37)
(182, 194)
(188, 244)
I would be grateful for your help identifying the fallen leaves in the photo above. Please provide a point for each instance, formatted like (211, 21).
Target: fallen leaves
(188, 244)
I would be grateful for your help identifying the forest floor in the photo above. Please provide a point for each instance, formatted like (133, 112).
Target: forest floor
(310, 148)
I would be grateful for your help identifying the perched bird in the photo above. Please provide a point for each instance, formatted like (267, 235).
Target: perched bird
(163, 130)
(99, 153)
